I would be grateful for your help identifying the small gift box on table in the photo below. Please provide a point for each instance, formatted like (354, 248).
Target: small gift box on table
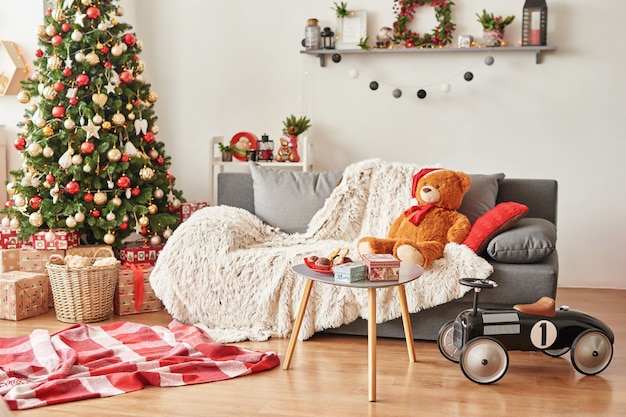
(187, 209)
(64, 239)
(134, 294)
(9, 260)
(9, 239)
(382, 267)
(350, 272)
(23, 294)
(139, 253)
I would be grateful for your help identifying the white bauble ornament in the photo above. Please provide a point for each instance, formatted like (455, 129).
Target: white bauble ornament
(116, 50)
(125, 218)
(119, 11)
(143, 220)
(50, 236)
(158, 193)
(175, 203)
(14, 223)
(48, 152)
(97, 119)
(36, 219)
(79, 217)
(111, 216)
(79, 56)
(11, 188)
(146, 173)
(77, 159)
(114, 155)
(69, 124)
(6, 221)
(116, 201)
(167, 233)
(34, 149)
(19, 200)
(155, 240)
(70, 222)
(87, 169)
(77, 36)
(109, 238)
(51, 30)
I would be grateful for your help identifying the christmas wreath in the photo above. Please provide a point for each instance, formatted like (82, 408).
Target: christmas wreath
(405, 12)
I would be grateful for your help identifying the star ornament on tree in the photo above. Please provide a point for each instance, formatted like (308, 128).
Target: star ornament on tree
(92, 130)
(78, 19)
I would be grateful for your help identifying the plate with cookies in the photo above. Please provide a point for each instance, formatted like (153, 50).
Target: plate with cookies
(324, 264)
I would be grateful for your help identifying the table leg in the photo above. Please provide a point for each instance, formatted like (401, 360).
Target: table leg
(406, 321)
(371, 344)
(296, 326)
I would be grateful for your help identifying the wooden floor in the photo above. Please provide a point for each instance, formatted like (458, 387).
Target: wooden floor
(328, 377)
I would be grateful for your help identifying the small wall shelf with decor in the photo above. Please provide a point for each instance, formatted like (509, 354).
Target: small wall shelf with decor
(323, 53)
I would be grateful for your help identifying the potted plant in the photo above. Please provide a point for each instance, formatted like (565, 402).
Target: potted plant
(493, 27)
(227, 151)
(292, 127)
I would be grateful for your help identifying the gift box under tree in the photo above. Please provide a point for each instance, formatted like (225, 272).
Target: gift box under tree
(9, 260)
(185, 210)
(134, 294)
(23, 294)
(139, 252)
(9, 239)
(63, 239)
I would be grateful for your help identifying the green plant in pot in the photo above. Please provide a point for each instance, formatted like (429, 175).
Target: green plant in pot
(227, 151)
(493, 27)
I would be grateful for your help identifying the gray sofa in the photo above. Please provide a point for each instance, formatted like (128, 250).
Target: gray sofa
(524, 257)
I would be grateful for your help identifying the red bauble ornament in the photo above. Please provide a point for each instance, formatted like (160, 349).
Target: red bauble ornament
(123, 225)
(104, 50)
(50, 178)
(144, 230)
(149, 137)
(135, 192)
(126, 77)
(58, 112)
(82, 80)
(8, 203)
(96, 213)
(93, 13)
(72, 188)
(160, 160)
(73, 101)
(129, 39)
(108, 64)
(66, 27)
(34, 202)
(125, 158)
(169, 176)
(67, 72)
(38, 53)
(88, 197)
(171, 209)
(58, 86)
(20, 143)
(87, 147)
(56, 40)
(123, 182)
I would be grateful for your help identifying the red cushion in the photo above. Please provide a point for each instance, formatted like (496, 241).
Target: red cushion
(500, 218)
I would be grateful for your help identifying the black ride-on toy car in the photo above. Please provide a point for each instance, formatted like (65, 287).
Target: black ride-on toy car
(479, 339)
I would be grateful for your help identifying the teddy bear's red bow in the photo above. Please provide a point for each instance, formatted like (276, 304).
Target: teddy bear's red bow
(415, 214)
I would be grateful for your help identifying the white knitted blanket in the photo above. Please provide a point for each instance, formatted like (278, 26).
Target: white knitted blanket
(226, 270)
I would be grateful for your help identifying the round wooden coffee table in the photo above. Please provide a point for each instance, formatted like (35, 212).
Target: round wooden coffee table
(408, 273)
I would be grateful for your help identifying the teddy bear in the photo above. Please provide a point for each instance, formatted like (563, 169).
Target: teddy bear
(420, 233)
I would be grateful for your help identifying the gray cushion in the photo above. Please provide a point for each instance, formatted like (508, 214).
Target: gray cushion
(530, 241)
(288, 199)
(482, 195)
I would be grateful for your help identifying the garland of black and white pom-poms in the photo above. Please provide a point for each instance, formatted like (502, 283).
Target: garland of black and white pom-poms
(422, 92)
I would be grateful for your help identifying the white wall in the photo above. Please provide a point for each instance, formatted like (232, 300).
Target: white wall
(223, 67)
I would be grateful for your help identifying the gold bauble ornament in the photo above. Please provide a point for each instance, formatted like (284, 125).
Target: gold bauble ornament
(92, 58)
(109, 238)
(49, 93)
(11, 190)
(100, 198)
(51, 30)
(58, 14)
(155, 240)
(118, 119)
(167, 233)
(36, 219)
(106, 125)
(153, 209)
(152, 97)
(146, 173)
(41, 32)
(48, 130)
(129, 106)
(143, 221)
(23, 97)
(54, 62)
(114, 155)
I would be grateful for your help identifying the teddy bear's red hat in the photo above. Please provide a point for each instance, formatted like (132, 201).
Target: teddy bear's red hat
(417, 177)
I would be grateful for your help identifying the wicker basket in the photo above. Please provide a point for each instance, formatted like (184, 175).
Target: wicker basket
(83, 294)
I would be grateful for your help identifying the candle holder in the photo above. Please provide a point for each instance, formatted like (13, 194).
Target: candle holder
(535, 23)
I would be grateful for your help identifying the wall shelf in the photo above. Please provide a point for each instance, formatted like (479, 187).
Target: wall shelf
(322, 53)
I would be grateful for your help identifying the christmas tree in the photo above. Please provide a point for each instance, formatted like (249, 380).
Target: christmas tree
(91, 160)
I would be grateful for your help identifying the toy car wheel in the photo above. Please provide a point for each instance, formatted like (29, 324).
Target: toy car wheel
(592, 352)
(484, 360)
(555, 353)
(446, 344)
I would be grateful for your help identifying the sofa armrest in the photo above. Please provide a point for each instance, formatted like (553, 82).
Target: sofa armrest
(235, 189)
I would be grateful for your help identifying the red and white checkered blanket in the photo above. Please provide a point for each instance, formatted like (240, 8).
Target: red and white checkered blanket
(86, 361)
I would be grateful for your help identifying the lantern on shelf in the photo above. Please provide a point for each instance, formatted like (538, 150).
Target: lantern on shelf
(534, 23)
(328, 38)
(265, 149)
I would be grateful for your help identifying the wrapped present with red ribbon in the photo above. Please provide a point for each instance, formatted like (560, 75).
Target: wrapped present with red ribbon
(185, 210)
(24, 294)
(134, 294)
(9, 239)
(139, 253)
(63, 239)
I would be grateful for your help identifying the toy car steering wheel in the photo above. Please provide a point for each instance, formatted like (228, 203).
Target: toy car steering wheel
(478, 282)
